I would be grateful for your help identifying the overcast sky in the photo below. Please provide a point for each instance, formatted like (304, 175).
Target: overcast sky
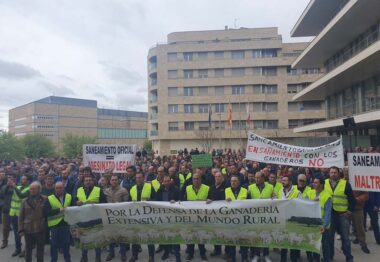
(97, 49)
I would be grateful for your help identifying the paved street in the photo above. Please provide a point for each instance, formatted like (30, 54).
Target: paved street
(5, 254)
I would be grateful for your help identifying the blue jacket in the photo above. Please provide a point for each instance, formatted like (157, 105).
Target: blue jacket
(373, 201)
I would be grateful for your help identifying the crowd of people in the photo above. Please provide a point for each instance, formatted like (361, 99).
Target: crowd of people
(35, 193)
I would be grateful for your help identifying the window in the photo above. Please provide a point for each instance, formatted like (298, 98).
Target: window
(239, 54)
(189, 109)
(238, 107)
(188, 74)
(238, 71)
(257, 71)
(203, 91)
(293, 123)
(172, 74)
(172, 109)
(188, 91)
(238, 90)
(219, 108)
(258, 89)
(189, 125)
(271, 107)
(203, 108)
(202, 55)
(112, 133)
(265, 124)
(172, 91)
(172, 57)
(238, 124)
(219, 72)
(173, 126)
(256, 53)
(265, 107)
(204, 125)
(271, 124)
(305, 105)
(271, 89)
(265, 89)
(269, 71)
(219, 54)
(219, 125)
(188, 56)
(295, 88)
(293, 106)
(267, 53)
(203, 73)
(219, 90)
(264, 53)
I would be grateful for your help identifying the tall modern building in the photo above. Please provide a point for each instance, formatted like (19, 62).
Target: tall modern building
(347, 47)
(203, 85)
(54, 117)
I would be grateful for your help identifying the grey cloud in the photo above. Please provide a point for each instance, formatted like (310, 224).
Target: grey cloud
(16, 71)
(121, 74)
(58, 90)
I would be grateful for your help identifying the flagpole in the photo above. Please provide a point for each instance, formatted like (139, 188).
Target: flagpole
(220, 129)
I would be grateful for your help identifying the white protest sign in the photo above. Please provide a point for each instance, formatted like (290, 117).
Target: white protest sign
(108, 157)
(364, 171)
(268, 151)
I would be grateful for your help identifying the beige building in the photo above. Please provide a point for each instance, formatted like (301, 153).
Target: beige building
(347, 46)
(247, 70)
(54, 117)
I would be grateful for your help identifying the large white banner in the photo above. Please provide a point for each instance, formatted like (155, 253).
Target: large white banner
(108, 157)
(261, 223)
(364, 171)
(268, 151)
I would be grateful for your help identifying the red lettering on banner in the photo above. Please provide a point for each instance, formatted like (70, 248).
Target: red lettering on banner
(316, 162)
(377, 178)
(252, 149)
(357, 181)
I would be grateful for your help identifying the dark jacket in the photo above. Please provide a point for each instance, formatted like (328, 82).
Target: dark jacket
(32, 216)
(373, 201)
(174, 193)
(217, 193)
(7, 194)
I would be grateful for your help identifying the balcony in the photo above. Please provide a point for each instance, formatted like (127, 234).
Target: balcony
(366, 105)
(153, 132)
(152, 67)
(353, 49)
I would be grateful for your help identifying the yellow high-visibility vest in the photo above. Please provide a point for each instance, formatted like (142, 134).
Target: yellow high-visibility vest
(55, 203)
(145, 193)
(339, 198)
(16, 202)
(266, 193)
(194, 196)
(94, 196)
(156, 184)
(324, 196)
(293, 194)
(243, 194)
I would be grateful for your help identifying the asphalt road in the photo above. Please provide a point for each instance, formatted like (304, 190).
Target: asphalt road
(5, 254)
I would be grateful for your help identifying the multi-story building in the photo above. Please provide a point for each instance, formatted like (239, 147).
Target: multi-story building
(54, 117)
(247, 70)
(347, 46)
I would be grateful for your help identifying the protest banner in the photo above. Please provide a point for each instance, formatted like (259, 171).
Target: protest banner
(261, 223)
(201, 160)
(108, 157)
(268, 151)
(364, 171)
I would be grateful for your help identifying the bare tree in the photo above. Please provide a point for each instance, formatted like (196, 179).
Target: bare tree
(207, 138)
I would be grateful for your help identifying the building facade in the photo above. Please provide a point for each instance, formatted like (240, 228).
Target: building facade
(347, 46)
(198, 81)
(54, 117)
